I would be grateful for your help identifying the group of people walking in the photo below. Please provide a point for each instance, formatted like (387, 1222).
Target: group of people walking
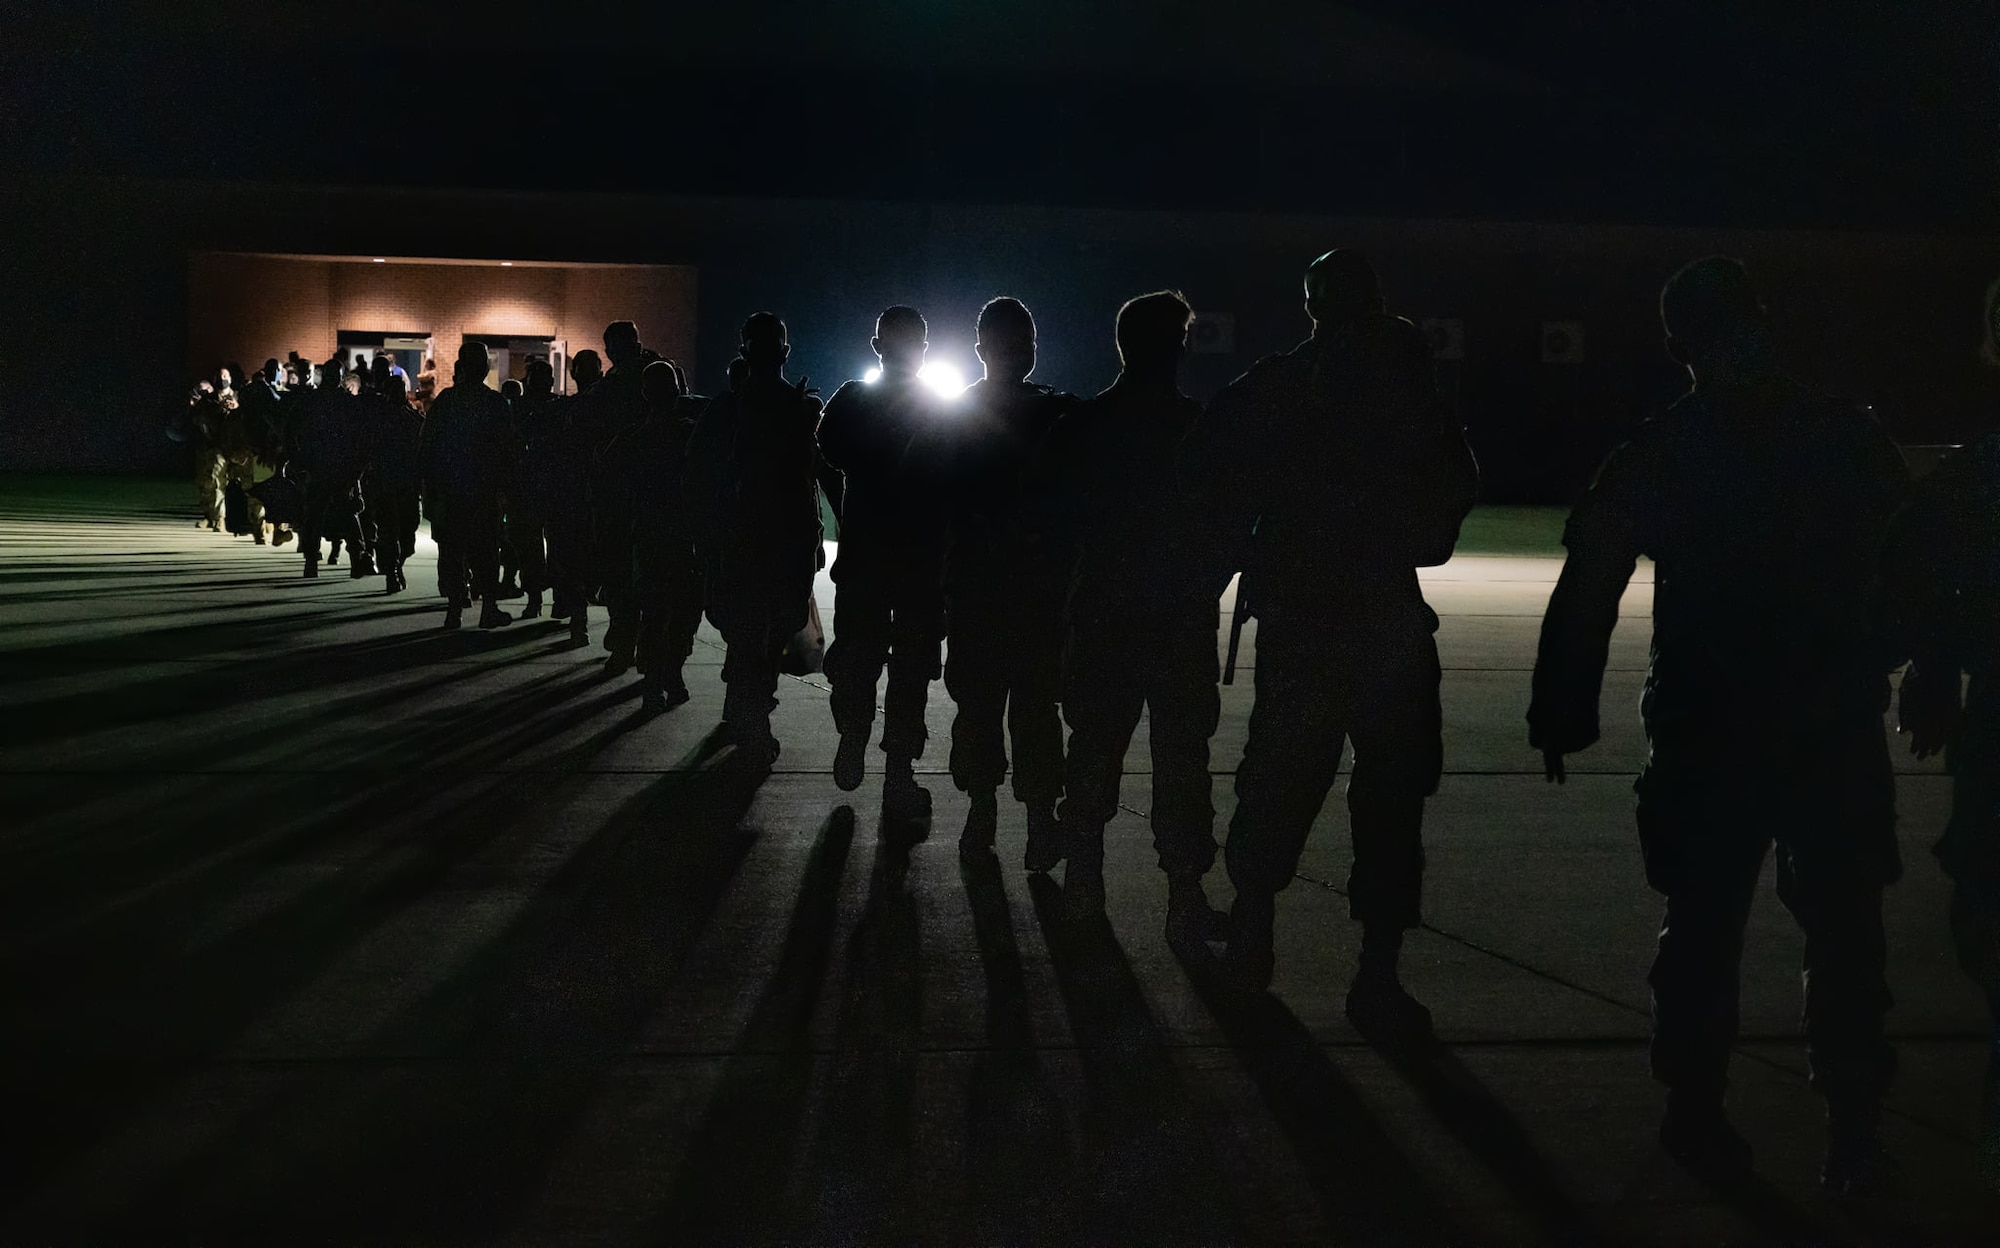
(1069, 555)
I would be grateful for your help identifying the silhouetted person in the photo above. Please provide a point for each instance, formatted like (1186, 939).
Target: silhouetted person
(211, 466)
(752, 492)
(1763, 507)
(1944, 586)
(531, 480)
(1142, 614)
(1338, 455)
(1005, 580)
(245, 405)
(647, 464)
(427, 382)
(567, 460)
(616, 405)
(889, 571)
(464, 464)
(332, 452)
(395, 481)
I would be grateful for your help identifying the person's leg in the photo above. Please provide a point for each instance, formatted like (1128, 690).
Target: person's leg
(975, 676)
(1184, 707)
(1837, 901)
(366, 534)
(312, 526)
(1034, 725)
(916, 644)
(1398, 735)
(854, 662)
(483, 556)
(651, 648)
(208, 483)
(1102, 700)
(1707, 861)
(1289, 764)
(683, 620)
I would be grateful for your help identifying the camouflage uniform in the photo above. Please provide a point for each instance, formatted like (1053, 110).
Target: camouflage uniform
(889, 608)
(1004, 583)
(1142, 622)
(1336, 455)
(1764, 516)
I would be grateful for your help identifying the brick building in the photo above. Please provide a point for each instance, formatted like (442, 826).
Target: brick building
(249, 307)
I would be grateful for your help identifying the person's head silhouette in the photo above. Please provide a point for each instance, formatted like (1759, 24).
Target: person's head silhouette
(540, 380)
(1004, 340)
(766, 345)
(1153, 334)
(586, 369)
(1716, 325)
(621, 342)
(658, 386)
(399, 394)
(901, 339)
(1341, 288)
(510, 389)
(474, 362)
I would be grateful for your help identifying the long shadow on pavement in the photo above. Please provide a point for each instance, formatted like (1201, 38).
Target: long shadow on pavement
(739, 1162)
(143, 964)
(520, 1041)
(1458, 1100)
(1150, 1174)
(864, 1168)
(1020, 1166)
(1368, 1190)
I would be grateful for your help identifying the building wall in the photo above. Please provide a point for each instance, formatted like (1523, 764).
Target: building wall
(252, 308)
(107, 302)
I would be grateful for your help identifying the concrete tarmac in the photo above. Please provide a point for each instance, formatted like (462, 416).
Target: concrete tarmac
(322, 925)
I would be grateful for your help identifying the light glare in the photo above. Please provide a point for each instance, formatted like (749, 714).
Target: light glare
(944, 380)
(947, 381)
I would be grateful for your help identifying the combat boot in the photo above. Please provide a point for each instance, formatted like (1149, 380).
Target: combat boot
(850, 760)
(312, 569)
(1251, 958)
(491, 616)
(902, 797)
(1191, 920)
(454, 616)
(1378, 1005)
(362, 564)
(579, 630)
(1696, 1133)
(1045, 840)
(281, 535)
(1083, 890)
(507, 590)
(533, 611)
(982, 824)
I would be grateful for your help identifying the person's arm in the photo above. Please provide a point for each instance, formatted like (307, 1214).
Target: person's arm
(1604, 538)
(838, 432)
(1219, 472)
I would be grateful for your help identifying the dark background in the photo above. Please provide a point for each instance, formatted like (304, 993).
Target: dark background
(823, 158)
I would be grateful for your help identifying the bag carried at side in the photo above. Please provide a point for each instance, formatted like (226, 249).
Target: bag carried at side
(805, 653)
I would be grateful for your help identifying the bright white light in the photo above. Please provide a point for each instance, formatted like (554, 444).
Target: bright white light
(380, 260)
(944, 380)
(947, 381)
(506, 264)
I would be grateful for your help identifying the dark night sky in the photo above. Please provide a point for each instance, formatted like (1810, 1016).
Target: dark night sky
(1779, 113)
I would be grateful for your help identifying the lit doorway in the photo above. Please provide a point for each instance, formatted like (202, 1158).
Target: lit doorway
(510, 356)
(407, 351)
